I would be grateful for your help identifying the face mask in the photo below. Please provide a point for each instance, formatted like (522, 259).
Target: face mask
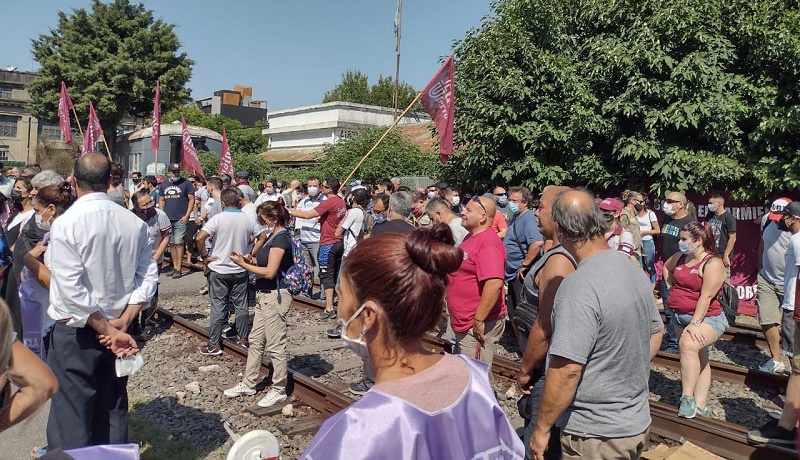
(148, 213)
(514, 208)
(667, 208)
(174, 179)
(45, 226)
(456, 200)
(349, 201)
(782, 225)
(638, 207)
(269, 191)
(502, 200)
(313, 191)
(129, 365)
(379, 218)
(432, 195)
(137, 181)
(358, 344)
(608, 218)
(684, 247)
(712, 207)
(416, 212)
(16, 196)
(270, 230)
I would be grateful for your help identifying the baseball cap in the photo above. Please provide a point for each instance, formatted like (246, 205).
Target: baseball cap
(611, 204)
(243, 175)
(776, 210)
(174, 167)
(792, 209)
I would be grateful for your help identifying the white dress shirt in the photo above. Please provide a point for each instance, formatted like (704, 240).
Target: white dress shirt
(102, 261)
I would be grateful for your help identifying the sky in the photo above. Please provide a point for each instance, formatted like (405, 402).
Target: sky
(290, 51)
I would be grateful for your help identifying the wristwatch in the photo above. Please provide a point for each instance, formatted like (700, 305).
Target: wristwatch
(696, 323)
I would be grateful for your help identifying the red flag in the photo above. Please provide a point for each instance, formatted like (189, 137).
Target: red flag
(156, 120)
(64, 106)
(225, 163)
(189, 161)
(94, 131)
(439, 100)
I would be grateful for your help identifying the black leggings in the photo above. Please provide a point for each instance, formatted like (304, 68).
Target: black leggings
(329, 271)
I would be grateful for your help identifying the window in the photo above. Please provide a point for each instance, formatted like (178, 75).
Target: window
(8, 126)
(5, 92)
(3, 153)
(50, 131)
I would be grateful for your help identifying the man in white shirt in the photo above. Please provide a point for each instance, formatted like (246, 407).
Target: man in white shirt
(231, 231)
(310, 228)
(270, 192)
(440, 212)
(102, 276)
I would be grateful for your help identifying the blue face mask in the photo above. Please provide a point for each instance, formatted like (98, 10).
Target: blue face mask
(502, 200)
(379, 218)
(514, 208)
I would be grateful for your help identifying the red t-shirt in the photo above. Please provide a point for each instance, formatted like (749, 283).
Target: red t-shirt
(331, 212)
(686, 289)
(499, 223)
(484, 259)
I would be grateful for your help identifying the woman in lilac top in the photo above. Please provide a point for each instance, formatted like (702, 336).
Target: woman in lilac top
(424, 405)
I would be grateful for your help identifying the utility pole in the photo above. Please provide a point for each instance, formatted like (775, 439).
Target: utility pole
(397, 17)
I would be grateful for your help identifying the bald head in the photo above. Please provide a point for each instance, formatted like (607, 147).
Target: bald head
(677, 202)
(577, 216)
(544, 214)
(488, 202)
(93, 172)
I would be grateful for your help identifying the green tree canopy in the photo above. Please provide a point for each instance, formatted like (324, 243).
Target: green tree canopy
(256, 165)
(670, 94)
(241, 139)
(111, 55)
(395, 156)
(355, 87)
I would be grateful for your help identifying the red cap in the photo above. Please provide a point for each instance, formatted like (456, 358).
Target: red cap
(776, 210)
(611, 204)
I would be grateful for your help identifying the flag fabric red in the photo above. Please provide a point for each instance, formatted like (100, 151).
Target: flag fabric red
(94, 132)
(225, 162)
(64, 106)
(189, 161)
(439, 100)
(156, 120)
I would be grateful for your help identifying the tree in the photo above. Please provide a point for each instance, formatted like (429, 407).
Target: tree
(668, 94)
(395, 156)
(355, 87)
(112, 56)
(256, 165)
(242, 140)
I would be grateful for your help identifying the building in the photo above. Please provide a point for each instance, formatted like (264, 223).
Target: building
(237, 104)
(133, 150)
(298, 136)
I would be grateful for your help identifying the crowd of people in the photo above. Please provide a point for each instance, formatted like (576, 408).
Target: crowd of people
(576, 277)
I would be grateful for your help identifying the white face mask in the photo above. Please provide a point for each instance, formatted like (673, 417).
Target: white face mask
(313, 191)
(358, 345)
(129, 365)
(44, 226)
(712, 207)
(667, 208)
(456, 200)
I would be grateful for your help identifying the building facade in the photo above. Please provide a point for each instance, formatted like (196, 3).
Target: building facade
(237, 104)
(298, 136)
(20, 131)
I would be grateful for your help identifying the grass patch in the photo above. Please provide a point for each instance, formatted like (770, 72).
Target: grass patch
(157, 443)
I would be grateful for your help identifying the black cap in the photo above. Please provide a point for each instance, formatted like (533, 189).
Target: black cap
(792, 209)
(243, 174)
(174, 167)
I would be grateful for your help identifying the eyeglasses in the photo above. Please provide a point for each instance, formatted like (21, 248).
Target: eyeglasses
(477, 199)
(670, 200)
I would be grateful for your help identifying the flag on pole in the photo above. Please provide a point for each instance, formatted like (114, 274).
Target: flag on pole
(189, 161)
(225, 162)
(64, 106)
(397, 17)
(94, 131)
(439, 100)
(156, 120)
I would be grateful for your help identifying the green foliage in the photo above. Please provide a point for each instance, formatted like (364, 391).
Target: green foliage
(258, 167)
(395, 156)
(242, 140)
(355, 87)
(666, 94)
(111, 55)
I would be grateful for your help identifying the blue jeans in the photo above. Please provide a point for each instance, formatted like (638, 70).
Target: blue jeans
(533, 400)
(672, 341)
(649, 262)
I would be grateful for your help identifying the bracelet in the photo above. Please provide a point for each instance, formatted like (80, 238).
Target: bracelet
(695, 323)
(478, 320)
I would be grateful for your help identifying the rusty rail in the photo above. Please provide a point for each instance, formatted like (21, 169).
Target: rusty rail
(739, 375)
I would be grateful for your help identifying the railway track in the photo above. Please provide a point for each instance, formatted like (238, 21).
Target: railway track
(743, 333)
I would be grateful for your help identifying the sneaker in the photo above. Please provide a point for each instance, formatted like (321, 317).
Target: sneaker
(148, 333)
(238, 390)
(167, 271)
(771, 433)
(176, 274)
(203, 290)
(210, 351)
(688, 408)
(359, 388)
(703, 411)
(335, 333)
(673, 349)
(325, 314)
(773, 367)
(273, 397)
(243, 343)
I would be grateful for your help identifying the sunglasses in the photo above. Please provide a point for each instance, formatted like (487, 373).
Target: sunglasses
(669, 200)
(477, 199)
(501, 194)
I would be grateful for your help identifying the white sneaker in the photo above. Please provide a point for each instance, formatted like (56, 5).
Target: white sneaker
(773, 367)
(239, 390)
(273, 397)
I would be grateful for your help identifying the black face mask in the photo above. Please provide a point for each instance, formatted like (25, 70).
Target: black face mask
(608, 218)
(638, 207)
(782, 225)
(16, 196)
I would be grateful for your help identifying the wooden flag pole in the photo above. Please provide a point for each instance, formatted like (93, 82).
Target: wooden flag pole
(77, 121)
(396, 121)
(108, 152)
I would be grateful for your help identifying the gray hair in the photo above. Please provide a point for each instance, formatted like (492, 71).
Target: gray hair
(577, 224)
(46, 178)
(436, 204)
(400, 202)
(527, 195)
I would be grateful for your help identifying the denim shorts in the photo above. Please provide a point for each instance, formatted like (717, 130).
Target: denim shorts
(718, 322)
(178, 232)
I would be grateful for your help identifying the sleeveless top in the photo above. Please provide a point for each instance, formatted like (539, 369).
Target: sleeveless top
(530, 291)
(686, 290)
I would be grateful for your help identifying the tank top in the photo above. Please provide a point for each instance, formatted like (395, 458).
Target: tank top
(686, 290)
(646, 223)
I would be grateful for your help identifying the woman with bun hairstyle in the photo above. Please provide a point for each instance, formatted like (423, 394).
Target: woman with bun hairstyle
(694, 277)
(423, 404)
(51, 202)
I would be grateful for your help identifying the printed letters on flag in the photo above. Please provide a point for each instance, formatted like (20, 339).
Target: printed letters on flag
(156, 120)
(64, 106)
(189, 161)
(225, 162)
(94, 131)
(439, 100)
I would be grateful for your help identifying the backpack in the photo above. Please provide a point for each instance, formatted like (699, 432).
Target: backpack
(631, 224)
(299, 277)
(729, 299)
